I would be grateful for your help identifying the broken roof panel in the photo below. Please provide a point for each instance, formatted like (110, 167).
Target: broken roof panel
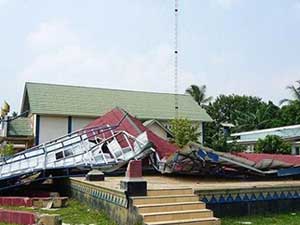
(134, 127)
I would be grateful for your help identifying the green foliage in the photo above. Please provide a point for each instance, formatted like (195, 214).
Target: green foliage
(273, 144)
(7, 150)
(265, 116)
(295, 90)
(228, 108)
(220, 144)
(289, 114)
(245, 112)
(199, 94)
(184, 131)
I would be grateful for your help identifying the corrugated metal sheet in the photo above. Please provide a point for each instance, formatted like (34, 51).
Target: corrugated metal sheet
(134, 127)
(290, 159)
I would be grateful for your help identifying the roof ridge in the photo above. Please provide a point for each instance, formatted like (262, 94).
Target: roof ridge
(101, 88)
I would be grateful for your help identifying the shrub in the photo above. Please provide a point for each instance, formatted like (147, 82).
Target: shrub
(7, 150)
(273, 144)
(184, 131)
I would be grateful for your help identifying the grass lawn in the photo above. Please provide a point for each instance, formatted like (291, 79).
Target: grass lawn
(75, 213)
(275, 219)
(78, 213)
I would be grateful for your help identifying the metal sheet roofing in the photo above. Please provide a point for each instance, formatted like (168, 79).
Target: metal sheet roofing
(258, 157)
(284, 128)
(287, 132)
(134, 127)
(55, 99)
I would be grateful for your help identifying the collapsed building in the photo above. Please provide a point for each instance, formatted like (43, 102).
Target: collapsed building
(69, 130)
(111, 141)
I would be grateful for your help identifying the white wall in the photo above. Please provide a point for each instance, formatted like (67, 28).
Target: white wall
(196, 123)
(80, 122)
(200, 130)
(156, 129)
(52, 127)
(295, 149)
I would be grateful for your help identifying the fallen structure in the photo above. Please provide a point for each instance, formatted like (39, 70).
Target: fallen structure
(95, 147)
(197, 159)
(111, 141)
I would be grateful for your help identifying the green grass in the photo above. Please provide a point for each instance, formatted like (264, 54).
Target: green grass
(74, 213)
(270, 219)
(79, 213)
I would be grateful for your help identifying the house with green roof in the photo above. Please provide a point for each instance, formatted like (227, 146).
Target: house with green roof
(17, 131)
(54, 110)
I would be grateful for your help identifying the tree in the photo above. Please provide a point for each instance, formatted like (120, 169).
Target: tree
(227, 108)
(265, 116)
(184, 131)
(295, 92)
(273, 144)
(246, 112)
(289, 114)
(199, 94)
(219, 143)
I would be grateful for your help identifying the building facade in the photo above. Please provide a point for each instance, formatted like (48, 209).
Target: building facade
(18, 132)
(289, 133)
(55, 110)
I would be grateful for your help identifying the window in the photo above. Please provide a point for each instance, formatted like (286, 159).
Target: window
(297, 150)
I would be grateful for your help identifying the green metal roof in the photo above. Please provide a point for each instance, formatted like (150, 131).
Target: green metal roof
(20, 127)
(52, 99)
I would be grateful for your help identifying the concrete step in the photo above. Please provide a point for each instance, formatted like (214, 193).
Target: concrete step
(176, 215)
(204, 221)
(169, 207)
(164, 199)
(175, 191)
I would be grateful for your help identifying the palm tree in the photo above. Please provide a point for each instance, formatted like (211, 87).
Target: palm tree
(295, 92)
(198, 94)
(260, 119)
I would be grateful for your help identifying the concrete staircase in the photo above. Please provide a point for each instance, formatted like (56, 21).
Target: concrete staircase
(173, 207)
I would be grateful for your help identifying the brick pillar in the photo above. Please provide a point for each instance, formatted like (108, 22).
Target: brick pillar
(134, 184)
(134, 169)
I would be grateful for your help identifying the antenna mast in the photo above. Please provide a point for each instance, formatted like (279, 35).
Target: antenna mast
(176, 12)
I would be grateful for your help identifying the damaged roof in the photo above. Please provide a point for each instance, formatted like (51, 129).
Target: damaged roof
(52, 99)
(134, 127)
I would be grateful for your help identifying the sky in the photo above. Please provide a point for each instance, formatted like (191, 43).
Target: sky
(246, 47)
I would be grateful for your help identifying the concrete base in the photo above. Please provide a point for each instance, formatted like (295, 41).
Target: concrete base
(46, 219)
(134, 187)
(255, 207)
(95, 175)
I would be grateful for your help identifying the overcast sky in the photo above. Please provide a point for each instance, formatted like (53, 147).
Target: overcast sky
(233, 46)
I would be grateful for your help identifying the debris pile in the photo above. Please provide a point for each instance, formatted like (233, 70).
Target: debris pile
(112, 140)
